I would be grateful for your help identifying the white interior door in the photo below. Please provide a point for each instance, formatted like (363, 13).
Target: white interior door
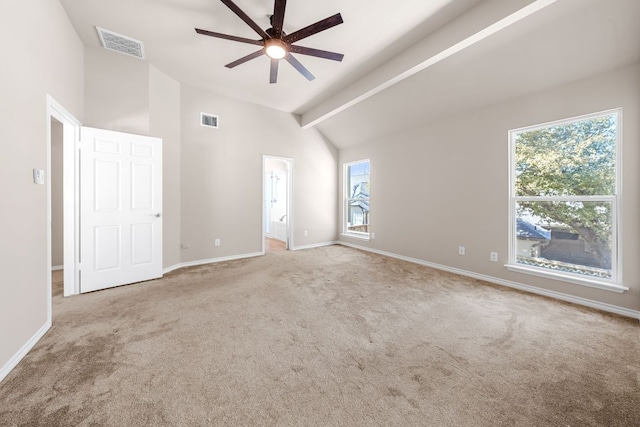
(120, 209)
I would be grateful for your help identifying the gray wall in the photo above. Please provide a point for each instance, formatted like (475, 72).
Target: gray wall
(116, 92)
(41, 55)
(445, 184)
(213, 178)
(222, 176)
(164, 121)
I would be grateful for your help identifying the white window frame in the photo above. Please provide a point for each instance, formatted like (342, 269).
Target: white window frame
(347, 200)
(615, 282)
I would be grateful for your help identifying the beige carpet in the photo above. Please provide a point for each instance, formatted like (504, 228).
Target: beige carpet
(325, 337)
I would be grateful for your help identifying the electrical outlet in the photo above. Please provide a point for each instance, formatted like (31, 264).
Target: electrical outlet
(461, 250)
(493, 256)
(306, 233)
(217, 242)
(373, 235)
(185, 246)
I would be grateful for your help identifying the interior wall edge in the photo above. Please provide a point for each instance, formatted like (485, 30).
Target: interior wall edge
(610, 308)
(210, 261)
(20, 354)
(313, 246)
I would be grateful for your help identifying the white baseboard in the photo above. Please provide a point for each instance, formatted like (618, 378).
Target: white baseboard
(8, 367)
(171, 268)
(241, 256)
(210, 261)
(508, 283)
(57, 267)
(312, 246)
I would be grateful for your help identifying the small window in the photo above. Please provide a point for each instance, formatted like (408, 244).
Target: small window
(356, 205)
(564, 199)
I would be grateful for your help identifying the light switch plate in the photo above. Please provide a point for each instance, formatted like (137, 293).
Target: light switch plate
(38, 176)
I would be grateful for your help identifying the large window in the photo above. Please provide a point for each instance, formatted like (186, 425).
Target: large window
(564, 199)
(356, 206)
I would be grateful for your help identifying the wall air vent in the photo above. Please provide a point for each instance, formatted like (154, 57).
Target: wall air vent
(120, 43)
(209, 120)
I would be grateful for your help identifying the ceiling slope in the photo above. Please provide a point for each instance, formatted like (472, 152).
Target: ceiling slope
(564, 41)
(483, 21)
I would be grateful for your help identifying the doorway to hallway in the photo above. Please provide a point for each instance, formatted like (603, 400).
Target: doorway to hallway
(277, 212)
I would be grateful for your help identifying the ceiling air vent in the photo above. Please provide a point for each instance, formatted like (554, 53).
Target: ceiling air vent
(120, 43)
(209, 120)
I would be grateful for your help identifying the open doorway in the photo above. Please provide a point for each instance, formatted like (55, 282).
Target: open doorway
(63, 132)
(277, 212)
(57, 208)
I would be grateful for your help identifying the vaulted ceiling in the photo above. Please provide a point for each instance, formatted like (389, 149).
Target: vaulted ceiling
(405, 61)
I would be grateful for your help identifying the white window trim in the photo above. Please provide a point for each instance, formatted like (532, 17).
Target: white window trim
(566, 277)
(615, 283)
(345, 202)
(356, 235)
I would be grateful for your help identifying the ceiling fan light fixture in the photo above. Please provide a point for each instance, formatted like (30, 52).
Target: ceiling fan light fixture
(275, 48)
(275, 43)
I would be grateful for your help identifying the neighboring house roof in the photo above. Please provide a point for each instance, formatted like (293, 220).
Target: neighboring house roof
(362, 204)
(526, 230)
(360, 192)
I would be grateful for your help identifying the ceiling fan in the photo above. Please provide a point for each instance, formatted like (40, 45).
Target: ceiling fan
(276, 44)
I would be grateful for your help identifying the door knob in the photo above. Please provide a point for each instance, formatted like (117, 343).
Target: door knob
(157, 215)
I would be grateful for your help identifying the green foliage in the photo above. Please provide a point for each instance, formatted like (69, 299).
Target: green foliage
(574, 159)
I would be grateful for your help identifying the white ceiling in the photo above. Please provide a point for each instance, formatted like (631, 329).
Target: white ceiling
(406, 61)
(370, 30)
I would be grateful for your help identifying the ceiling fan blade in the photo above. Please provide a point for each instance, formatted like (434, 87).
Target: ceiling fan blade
(245, 59)
(312, 29)
(298, 66)
(278, 17)
(273, 77)
(228, 37)
(316, 52)
(231, 5)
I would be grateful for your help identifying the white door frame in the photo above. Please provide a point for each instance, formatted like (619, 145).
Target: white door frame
(289, 227)
(71, 137)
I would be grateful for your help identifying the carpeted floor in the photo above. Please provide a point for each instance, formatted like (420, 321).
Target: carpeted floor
(325, 337)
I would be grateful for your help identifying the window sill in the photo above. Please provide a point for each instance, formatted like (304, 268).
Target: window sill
(598, 284)
(361, 236)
